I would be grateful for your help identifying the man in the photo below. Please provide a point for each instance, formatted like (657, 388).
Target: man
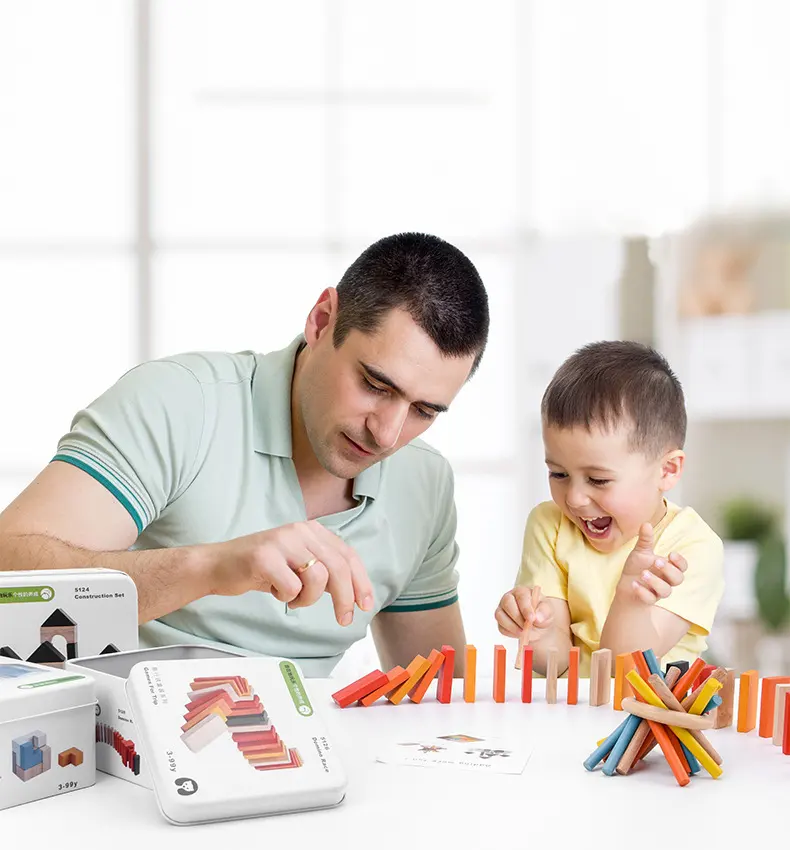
(280, 503)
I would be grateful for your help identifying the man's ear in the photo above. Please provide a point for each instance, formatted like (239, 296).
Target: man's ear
(671, 469)
(321, 319)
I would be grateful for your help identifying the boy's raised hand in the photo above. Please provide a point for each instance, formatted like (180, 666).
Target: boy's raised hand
(523, 611)
(652, 578)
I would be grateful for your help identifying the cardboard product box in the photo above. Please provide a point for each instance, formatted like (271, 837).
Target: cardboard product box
(50, 616)
(232, 738)
(117, 748)
(46, 732)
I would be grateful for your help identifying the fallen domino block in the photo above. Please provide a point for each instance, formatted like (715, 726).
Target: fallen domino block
(356, 690)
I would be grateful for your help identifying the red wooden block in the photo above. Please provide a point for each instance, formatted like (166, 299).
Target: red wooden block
(526, 675)
(395, 677)
(786, 735)
(444, 687)
(360, 688)
(704, 674)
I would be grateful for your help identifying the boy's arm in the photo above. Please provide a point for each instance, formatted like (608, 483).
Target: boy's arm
(557, 635)
(657, 600)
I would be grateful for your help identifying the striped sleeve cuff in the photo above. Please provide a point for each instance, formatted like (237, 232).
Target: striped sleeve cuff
(117, 484)
(407, 604)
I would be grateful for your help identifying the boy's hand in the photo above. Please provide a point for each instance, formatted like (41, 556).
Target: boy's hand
(524, 609)
(648, 577)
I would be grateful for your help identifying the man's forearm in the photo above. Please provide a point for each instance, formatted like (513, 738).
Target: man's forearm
(166, 579)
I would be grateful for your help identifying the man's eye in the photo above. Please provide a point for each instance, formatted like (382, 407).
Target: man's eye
(373, 388)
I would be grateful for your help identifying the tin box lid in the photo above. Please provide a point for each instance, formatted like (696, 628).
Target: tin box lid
(231, 738)
(28, 690)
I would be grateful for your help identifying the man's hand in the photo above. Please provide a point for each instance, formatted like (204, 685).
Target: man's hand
(271, 561)
(522, 612)
(647, 577)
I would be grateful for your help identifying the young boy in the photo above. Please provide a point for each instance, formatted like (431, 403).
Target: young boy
(612, 563)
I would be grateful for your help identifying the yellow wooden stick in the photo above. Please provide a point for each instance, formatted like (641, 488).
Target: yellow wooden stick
(650, 697)
(708, 690)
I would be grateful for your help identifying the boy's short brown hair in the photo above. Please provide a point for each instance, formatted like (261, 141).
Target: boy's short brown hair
(615, 382)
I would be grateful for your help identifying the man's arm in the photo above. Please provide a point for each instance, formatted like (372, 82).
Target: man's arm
(399, 636)
(65, 520)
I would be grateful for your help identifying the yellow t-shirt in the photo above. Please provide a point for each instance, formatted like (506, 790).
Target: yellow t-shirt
(557, 557)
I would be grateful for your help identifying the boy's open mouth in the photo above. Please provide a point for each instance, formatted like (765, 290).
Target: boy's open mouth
(598, 526)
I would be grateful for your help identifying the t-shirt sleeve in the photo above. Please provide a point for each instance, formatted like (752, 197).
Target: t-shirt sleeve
(435, 583)
(539, 564)
(141, 438)
(697, 598)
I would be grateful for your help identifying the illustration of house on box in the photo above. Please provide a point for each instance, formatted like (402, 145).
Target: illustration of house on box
(57, 625)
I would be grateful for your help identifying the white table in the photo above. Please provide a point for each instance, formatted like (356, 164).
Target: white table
(555, 801)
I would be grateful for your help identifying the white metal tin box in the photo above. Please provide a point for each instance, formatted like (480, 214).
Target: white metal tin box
(49, 616)
(46, 732)
(117, 751)
(232, 738)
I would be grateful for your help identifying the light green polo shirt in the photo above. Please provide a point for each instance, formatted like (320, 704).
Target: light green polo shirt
(197, 448)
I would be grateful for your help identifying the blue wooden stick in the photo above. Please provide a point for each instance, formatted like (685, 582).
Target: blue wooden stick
(620, 747)
(605, 748)
(652, 662)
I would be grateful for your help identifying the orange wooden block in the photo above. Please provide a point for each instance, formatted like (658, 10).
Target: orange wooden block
(526, 675)
(416, 670)
(573, 675)
(444, 687)
(360, 688)
(396, 676)
(767, 703)
(500, 655)
(747, 701)
(623, 664)
(435, 660)
(470, 673)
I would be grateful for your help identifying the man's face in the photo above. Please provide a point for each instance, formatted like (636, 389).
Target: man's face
(361, 402)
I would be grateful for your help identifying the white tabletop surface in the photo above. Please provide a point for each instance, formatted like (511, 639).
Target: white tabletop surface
(554, 801)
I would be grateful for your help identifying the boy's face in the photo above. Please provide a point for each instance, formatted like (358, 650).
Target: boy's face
(604, 487)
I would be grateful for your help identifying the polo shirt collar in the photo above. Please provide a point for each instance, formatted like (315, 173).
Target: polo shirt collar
(271, 410)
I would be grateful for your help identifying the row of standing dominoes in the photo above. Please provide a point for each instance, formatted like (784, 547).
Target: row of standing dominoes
(416, 678)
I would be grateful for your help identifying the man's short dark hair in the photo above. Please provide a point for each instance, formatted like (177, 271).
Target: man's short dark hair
(612, 383)
(431, 280)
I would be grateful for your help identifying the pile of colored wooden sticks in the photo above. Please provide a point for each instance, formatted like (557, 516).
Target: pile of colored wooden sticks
(663, 712)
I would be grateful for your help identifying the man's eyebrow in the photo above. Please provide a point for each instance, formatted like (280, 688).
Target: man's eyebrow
(383, 379)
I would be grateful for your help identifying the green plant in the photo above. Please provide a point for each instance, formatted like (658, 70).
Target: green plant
(769, 582)
(747, 519)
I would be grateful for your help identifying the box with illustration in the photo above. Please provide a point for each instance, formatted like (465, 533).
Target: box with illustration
(49, 616)
(232, 738)
(46, 732)
(117, 751)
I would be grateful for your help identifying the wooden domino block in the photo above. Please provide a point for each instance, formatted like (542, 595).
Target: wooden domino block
(470, 672)
(623, 664)
(396, 676)
(681, 665)
(779, 714)
(500, 656)
(356, 690)
(444, 688)
(766, 728)
(601, 677)
(573, 675)
(722, 716)
(552, 664)
(747, 701)
(435, 660)
(526, 674)
(416, 670)
(786, 736)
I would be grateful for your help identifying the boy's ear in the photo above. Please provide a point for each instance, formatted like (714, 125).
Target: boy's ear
(671, 469)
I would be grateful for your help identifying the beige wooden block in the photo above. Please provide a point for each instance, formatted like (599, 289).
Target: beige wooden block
(779, 714)
(552, 664)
